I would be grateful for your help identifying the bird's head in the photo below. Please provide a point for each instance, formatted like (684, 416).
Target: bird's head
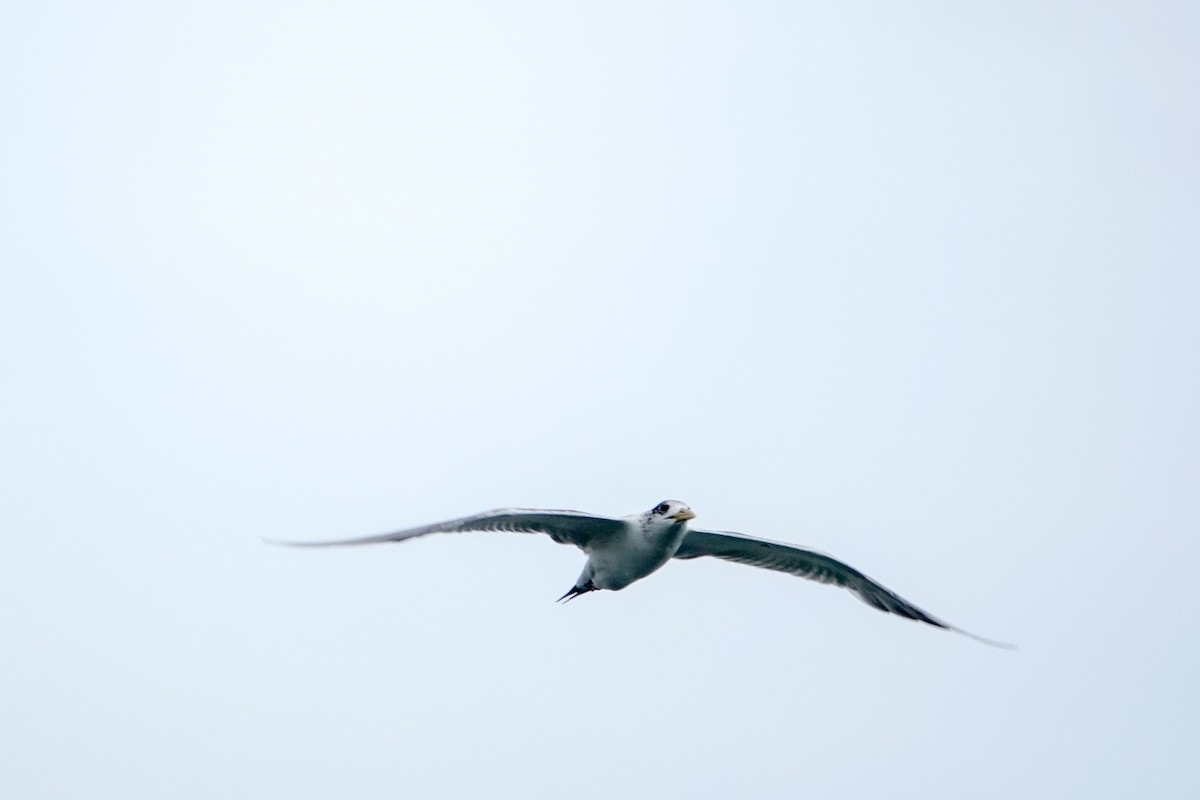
(671, 512)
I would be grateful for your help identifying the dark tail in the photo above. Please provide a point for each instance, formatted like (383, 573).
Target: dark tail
(575, 591)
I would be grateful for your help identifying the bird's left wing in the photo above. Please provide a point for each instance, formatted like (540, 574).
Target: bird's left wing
(564, 527)
(809, 564)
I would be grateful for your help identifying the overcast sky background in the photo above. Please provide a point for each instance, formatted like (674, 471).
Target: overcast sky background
(916, 284)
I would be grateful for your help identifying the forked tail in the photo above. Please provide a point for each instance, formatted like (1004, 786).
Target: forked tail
(577, 590)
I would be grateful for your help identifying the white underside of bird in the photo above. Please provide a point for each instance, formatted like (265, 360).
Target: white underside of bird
(626, 549)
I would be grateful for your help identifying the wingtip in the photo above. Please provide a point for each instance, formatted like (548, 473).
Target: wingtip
(984, 640)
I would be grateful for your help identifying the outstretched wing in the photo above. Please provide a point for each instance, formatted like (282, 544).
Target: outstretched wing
(564, 527)
(807, 564)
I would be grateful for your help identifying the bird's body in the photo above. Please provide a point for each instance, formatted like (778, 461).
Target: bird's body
(643, 543)
(623, 550)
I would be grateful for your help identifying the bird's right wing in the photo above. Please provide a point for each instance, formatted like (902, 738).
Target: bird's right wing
(810, 564)
(564, 527)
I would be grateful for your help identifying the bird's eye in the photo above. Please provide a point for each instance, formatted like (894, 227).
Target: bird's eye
(662, 508)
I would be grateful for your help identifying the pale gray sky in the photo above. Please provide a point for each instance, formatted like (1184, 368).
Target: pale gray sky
(913, 283)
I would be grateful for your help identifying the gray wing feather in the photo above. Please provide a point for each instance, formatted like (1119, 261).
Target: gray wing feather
(809, 564)
(564, 527)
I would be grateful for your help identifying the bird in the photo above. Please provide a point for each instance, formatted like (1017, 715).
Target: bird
(622, 550)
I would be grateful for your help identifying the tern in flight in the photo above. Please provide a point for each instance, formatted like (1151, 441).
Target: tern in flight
(623, 550)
